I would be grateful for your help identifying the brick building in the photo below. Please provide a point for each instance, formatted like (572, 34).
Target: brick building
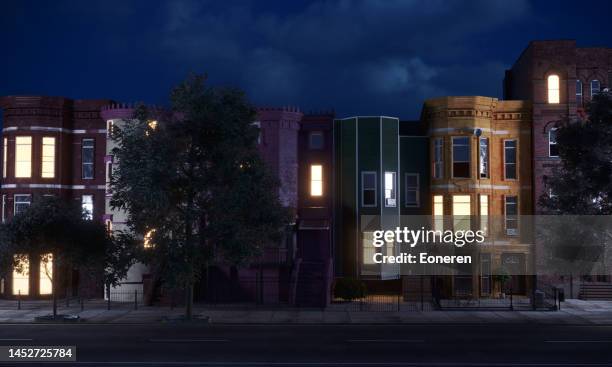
(51, 146)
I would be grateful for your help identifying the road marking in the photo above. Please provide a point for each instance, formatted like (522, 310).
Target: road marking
(578, 341)
(385, 341)
(188, 340)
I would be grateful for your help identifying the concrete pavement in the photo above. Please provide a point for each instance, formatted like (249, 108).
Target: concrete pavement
(573, 312)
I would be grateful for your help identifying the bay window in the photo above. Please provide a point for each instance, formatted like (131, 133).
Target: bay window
(510, 172)
(316, 180)
(23, 156)
(48, 157)
(461, 157)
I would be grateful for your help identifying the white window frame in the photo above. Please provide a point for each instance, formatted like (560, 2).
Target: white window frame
(579, 92)
(438, 156)
(507, 218)
(363, 188)
(553, 91)
(4, 156)
(15, 202)
(45, 159)
(516, 173)
(93, 162)
(416, 189)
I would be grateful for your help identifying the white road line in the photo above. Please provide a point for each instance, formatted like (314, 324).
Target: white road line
(188, 340)
(578, 341)
(385, 341)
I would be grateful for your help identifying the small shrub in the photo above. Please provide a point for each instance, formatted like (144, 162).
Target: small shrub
(349, 289)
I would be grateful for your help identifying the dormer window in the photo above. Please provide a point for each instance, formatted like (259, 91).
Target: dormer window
(553, 88)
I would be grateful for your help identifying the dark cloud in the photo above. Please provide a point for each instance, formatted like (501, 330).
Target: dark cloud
(357, 56)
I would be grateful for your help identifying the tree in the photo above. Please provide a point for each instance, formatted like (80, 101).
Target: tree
(58, 231)
(194, 183)
(580, 187)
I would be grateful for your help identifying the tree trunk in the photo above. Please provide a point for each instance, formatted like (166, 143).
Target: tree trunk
(189, 301)
(54, 277)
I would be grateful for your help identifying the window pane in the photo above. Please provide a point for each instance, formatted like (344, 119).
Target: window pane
(553, 89)
(369, 198)
(484, 213)
(21, 279)
(483, 151)
(369, 180)
(552, 143)
(461, 212)
(23, 156)
(48, 157)
(438, 158)
(316, 180)
(438, 212)
(461, 157)
(87, 206)
(390, 189)
(368, 188)
(87, 158)
(46, 274)
(22, 202)
(4, 156)
(594, 87)
(316, 140)
(510, 159)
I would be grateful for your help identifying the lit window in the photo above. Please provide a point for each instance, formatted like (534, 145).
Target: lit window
(316, 180)
(315, 140)
(595, 87)
(4, 157)
(369, 250)
(46, 274)
(412, 189)
(21, 278)
(578, 93)
(87, 206)
(483, 157)
(438, 212)
(484, 213)
(153, 124)
(553, 89)
(461, 157)
(510, 159)
(148, 237)
(48, 157)
(438, 158)
(461, 212)
(511, 215)
(553, 150)
(390, 189)
(21, 202)
(23, 156)
(368, 189)
(87, 158)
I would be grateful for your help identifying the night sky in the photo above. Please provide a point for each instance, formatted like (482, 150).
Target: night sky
(358, 57)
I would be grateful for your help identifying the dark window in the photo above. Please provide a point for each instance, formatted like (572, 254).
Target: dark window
(368, 188)
(510, 159)
(438, 158)
(315, 140)
(21, 202)
(461, 157)
(553, 150)
(87, 158)
(578, 93)
(412, 189)
(595, 87)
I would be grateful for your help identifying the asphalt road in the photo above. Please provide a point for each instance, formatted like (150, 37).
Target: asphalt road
(322, 345)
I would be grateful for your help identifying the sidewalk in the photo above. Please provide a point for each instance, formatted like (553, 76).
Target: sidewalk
(574, 312)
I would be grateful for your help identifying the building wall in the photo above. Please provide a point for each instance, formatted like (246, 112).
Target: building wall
(69, 122)
(475, 118)
(527, 79)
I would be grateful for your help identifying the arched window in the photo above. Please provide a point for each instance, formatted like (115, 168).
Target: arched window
(595, 87)
(553, 88)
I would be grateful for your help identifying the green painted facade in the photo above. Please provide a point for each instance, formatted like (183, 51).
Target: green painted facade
(364, 148)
